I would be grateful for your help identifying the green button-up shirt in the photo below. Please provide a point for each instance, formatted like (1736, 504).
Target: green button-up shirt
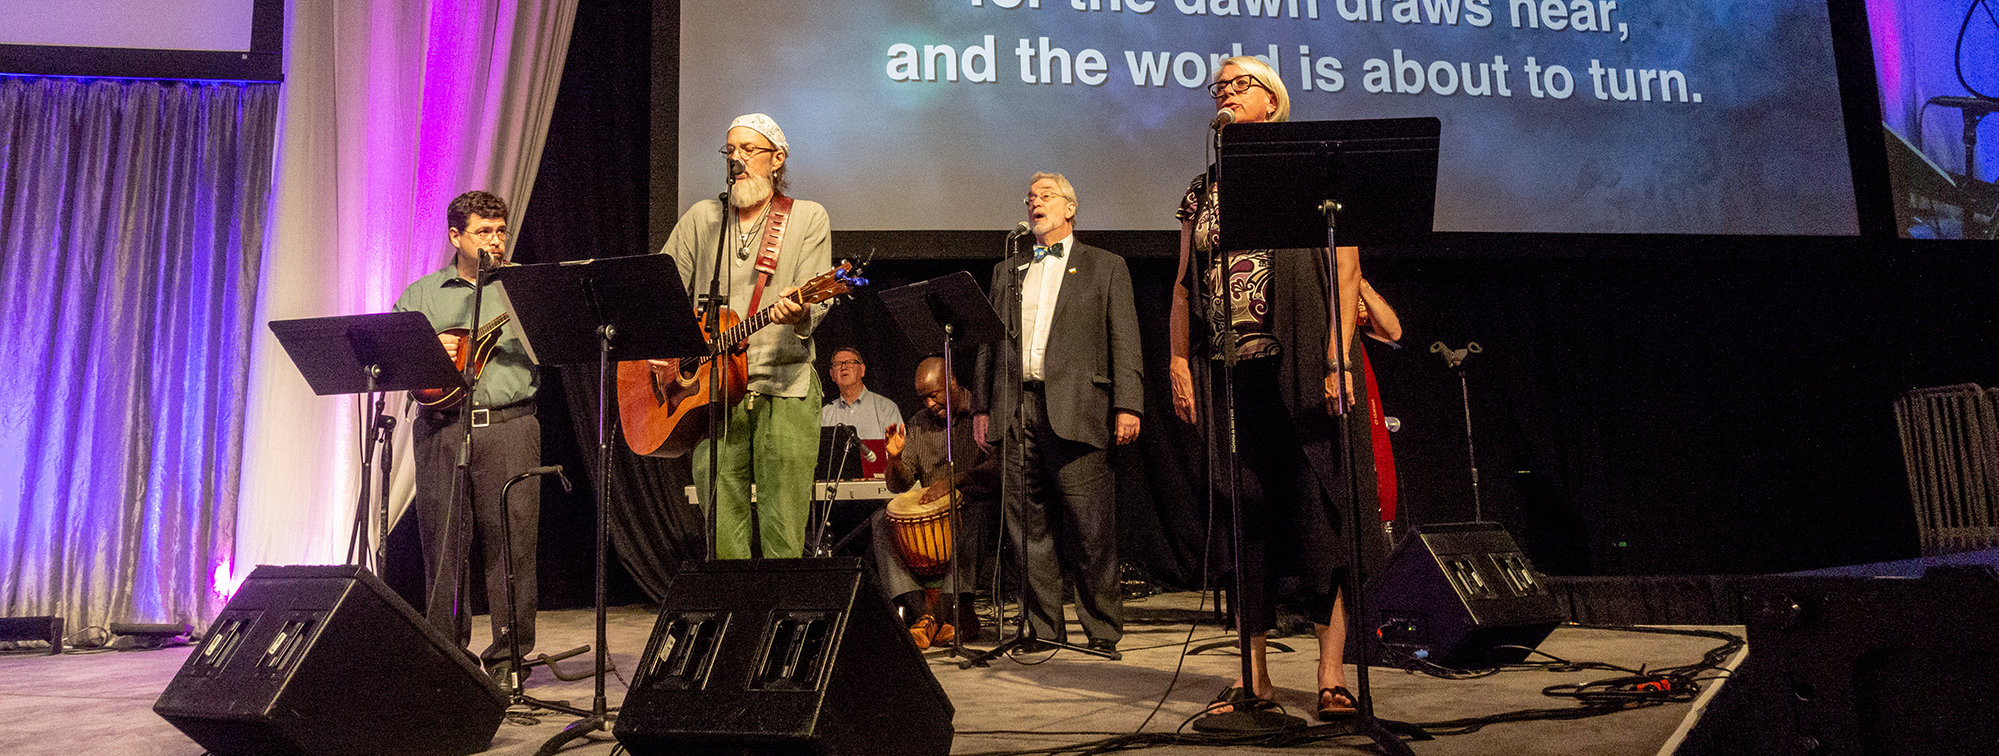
(510, 377)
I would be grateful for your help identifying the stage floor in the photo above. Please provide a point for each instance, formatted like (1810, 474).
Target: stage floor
(101, 703)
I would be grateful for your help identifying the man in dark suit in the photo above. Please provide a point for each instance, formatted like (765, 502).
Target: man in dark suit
(1061, 391)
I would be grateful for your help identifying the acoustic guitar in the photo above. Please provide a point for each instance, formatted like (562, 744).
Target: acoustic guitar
(478, 350)
(664, 405)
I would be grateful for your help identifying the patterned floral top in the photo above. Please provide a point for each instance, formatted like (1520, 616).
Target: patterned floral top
(1244, 277)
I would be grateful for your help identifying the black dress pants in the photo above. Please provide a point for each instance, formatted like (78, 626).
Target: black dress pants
(1061, 517)
(501, 450)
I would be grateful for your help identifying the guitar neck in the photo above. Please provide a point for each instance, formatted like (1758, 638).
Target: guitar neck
(741, 332)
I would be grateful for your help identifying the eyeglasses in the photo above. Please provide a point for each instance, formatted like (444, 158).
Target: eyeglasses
(750, 152)
(847, 363)
(1237, 85)
(1044, 197)
(491, 233)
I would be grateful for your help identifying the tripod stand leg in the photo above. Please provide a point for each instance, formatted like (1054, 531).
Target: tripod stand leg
(576, 730)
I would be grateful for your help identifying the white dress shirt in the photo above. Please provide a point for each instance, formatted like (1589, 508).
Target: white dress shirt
(1040, 288)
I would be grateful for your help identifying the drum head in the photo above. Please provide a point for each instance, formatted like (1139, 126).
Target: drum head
(905, 504)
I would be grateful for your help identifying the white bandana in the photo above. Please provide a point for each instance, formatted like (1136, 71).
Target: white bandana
(762, 124)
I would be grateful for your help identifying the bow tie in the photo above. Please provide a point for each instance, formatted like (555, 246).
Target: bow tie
(1041, 252)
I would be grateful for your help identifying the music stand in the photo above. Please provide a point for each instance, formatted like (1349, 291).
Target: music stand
(371, 355)
(576, 312)
(1293, 185)
(946, 311)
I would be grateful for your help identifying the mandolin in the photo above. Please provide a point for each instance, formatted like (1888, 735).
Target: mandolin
(480, 351)
(663, 404)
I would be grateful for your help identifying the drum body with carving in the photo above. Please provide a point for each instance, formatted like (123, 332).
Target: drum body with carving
(922, 532)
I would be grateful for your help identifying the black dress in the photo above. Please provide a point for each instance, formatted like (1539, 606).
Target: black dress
(1293, 494)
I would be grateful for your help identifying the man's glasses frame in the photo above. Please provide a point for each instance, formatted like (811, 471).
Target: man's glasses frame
(750, 152)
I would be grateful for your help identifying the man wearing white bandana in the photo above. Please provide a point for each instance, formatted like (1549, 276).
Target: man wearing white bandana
(770, 439)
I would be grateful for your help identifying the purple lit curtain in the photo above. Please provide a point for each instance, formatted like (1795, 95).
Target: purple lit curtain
(131, 222)
(155, 442)
(391, 108)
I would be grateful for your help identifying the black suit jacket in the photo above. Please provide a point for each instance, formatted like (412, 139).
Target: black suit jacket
(1092, 364)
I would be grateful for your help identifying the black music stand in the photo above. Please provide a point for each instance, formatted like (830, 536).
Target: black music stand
(578, 312)
(1293, 185)
(947, 311)
(371, 355)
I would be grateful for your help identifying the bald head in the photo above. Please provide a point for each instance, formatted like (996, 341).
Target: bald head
(932, 383)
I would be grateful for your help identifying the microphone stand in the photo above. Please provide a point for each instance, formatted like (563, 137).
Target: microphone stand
(460, 554)
(1010, 350)
(1246, 715)
(380, 432)
(516, 680)
(1455, 360)
(1385, 733)
(712, 305)
(816, 538)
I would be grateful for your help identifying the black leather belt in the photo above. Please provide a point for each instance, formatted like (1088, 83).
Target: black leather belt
(1034, 385)
(481, 416)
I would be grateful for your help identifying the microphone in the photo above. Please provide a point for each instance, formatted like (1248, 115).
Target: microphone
(1019, 229)
(1222, 118)
(865, 451)
(736, 167)
(1977, 106)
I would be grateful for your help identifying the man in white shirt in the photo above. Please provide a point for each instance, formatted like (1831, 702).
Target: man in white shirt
(870, 413)
(1064, 389)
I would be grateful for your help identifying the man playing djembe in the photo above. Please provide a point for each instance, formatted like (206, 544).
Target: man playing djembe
(912, 537)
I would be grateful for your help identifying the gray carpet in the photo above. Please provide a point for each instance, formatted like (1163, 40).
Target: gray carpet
(102, 703)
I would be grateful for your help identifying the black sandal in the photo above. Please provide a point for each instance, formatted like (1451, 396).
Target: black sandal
(1233, 696)
(1336, 712)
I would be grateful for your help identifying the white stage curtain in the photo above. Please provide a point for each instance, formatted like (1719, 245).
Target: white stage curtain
(390, 109)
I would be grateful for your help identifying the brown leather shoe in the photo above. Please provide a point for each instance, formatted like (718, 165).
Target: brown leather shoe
(923, 631)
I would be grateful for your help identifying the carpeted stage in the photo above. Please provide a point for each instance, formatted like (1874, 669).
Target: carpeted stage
(101, 703)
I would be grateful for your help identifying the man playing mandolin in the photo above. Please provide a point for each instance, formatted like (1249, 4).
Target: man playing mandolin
(506, 435)
(771, 245)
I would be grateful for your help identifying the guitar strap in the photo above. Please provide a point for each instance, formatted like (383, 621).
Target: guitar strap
(780, 211)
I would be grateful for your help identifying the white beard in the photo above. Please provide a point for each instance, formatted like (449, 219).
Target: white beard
(750, 191)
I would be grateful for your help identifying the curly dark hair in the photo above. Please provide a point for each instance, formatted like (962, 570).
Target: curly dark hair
(475, 202)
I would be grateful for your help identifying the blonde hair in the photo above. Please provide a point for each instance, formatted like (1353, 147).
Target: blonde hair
(1062, 187)
(1262, 72)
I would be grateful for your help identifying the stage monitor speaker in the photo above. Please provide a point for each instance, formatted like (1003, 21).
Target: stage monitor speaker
(1461, 595)
(781, 656)
(1879, 666)
(326, 660)
(46, 628)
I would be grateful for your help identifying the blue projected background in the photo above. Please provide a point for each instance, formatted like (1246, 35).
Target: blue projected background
(1637, 116)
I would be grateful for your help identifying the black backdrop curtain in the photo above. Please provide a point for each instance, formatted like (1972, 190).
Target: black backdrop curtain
(1644, 405)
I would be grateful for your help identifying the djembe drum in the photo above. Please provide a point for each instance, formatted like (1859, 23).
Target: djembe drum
(922, 531)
